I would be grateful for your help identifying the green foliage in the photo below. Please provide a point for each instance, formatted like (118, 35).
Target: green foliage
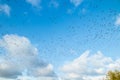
(113, 75)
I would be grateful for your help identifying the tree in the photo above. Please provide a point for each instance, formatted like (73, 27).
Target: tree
(113, 75)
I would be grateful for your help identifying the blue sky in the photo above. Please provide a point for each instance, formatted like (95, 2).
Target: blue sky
(63, 30)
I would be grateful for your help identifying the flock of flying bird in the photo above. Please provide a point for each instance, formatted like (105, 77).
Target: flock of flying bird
(94, 33)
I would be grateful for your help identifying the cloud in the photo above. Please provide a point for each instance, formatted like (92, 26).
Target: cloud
(5, 79)
(76, 2)
(117, 22)
(35, 3)
(89, 67)
(38, 78)
(19, 56)
(19, 60)
(54, 4)
(5, 9)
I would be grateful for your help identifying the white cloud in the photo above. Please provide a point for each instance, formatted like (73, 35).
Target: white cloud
(76, 2)
(117, 22)
(54, 4)
(33, 78)
(5, 8)
(19, 55)
(5, 79)
(89, 67)
(35, 3)
(19, 60)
